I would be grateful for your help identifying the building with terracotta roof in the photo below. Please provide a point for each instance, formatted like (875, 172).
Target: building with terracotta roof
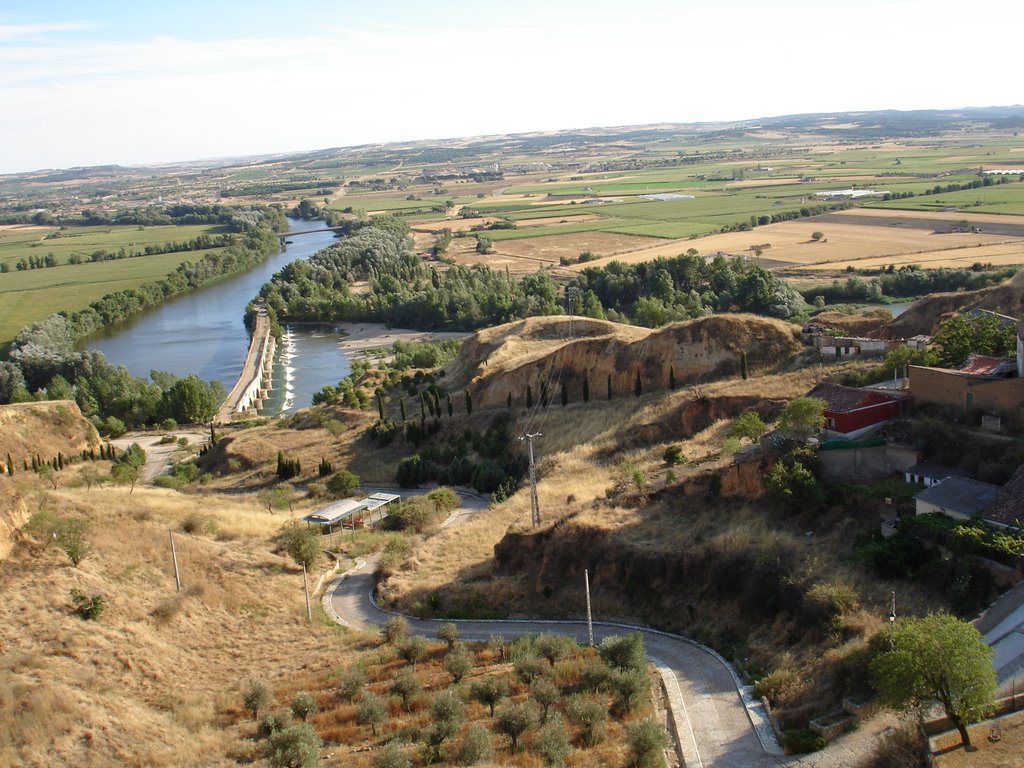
(852, 413)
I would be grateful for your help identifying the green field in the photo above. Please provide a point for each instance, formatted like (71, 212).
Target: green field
(999, 198)
(32, 295)
(19, 243)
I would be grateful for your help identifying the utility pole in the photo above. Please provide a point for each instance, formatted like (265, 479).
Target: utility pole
(174, 559)
(590, 618)
(534, 504)
(892, 620)
(305, 588)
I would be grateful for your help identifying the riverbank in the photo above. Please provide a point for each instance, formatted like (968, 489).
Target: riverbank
(360, 337)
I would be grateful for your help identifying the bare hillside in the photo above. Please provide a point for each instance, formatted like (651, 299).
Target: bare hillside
(506, 359)
(35, 429)
(926, 315)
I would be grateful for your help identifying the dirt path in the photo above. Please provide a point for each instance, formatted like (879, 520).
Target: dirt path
(159, 457)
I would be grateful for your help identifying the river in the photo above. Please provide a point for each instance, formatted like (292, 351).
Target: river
(202, 332)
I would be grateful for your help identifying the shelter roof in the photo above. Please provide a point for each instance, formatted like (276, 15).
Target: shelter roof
(960, 494)
(987, 365)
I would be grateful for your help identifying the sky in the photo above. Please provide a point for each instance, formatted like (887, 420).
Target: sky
(128, 83)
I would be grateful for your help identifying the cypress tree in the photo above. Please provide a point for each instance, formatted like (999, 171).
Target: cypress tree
(586, 390)
(743, 365)
(565, 395)
(544, 394)
(638, 387)
(672, 378)
(529, 396)
(508, 401)
(213, 435)
(450, 409)
(280, 464)
(469, 403)
(609, 386)
(423, 405)
(401, 405)
(10, 466)
(380, 405)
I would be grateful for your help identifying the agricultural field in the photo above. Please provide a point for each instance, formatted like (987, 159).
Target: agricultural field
(24, 242)
(848, 238)
(32, 295)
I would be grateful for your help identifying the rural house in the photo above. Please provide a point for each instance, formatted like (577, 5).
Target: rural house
(851, 413)
(981, 382)
(958, 497)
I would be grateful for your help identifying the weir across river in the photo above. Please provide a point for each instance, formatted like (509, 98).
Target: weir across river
(253, 383)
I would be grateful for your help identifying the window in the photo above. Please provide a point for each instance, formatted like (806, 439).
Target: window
(830, 423)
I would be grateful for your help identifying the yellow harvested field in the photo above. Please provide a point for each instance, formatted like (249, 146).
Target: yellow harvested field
(951, 216)
(790, 242)
(455, 225)
(558, 220)
(553, 247)
(999, 255)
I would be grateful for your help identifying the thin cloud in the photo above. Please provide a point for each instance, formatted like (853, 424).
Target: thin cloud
(17, 32)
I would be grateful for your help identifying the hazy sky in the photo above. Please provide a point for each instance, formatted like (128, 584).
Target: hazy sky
(86, 83)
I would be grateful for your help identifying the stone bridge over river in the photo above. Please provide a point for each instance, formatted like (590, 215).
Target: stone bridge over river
(253, 383)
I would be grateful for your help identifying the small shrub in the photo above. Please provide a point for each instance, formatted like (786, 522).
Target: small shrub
(800, 741)
(394, 630)
(489, 691)
(546, 694)
(196, 523)
(476, 746)
(449, 633)
(777, 686)
(673, 455)
(624, 652)
(412, 650)
(515, 720)
(304, 705)
(351, 683)
(458, 663)
(900, 747)
(590, 714)
(647, 742)
(273, 722)
(552, 743)
(255, 696)
(405, 686)
(530, 668)
(372, 711)
(294, 747)
(87, 607)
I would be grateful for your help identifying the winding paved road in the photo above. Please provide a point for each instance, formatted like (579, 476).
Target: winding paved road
(715, 728)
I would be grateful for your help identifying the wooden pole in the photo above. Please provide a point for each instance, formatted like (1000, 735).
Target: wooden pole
(590, 619)
(305, 587)
(174, 559)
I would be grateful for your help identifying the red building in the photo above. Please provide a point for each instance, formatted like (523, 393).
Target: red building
(852, 412)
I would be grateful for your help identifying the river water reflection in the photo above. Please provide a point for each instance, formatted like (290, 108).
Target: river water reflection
(202, 332)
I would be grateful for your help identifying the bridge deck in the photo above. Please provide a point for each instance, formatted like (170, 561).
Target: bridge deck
(251, 371)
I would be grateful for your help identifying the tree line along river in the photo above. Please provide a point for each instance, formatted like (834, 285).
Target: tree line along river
(203, 332)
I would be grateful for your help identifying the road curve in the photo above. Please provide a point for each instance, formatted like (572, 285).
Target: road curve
(716, 729)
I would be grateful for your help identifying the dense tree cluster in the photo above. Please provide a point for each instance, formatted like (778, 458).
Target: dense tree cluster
(907, 282)
(664, 290)
(406, 292)
(182, 213)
